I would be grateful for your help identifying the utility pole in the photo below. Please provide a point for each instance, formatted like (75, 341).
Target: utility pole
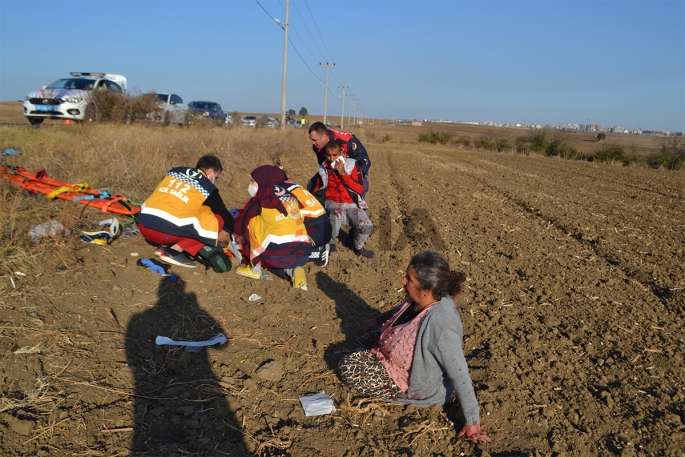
(354, 117)
(325, 94)
(285, 59)
(342, 111)
(349, 107)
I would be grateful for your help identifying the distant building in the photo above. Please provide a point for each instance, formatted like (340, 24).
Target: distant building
(416, 123)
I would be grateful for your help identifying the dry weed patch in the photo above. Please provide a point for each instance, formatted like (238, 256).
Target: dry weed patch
(126, 159)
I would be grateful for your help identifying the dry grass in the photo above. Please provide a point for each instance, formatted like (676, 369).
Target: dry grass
(583, 142)
(130, 159)
(33, 398)
(127, 159)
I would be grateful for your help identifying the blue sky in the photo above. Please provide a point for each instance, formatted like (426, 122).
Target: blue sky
(607, 62)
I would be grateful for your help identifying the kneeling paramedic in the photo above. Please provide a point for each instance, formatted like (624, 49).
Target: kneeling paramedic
(185, 215)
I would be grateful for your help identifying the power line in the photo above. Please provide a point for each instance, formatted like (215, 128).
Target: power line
(305, 63)
(317, 29)
(293, 44)
(298, 34)
(335, 69)
(289, 41)
(310, 34)
(267, 13)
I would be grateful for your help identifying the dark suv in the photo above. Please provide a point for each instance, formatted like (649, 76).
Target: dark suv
(209, 110)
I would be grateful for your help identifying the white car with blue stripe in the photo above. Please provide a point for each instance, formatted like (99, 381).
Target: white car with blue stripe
(70, 98)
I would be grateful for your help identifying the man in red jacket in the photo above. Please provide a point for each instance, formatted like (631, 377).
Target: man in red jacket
(341, 179)
(320, 136)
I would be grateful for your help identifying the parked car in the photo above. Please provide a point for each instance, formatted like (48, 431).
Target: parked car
(272, 123)
(328, 124)
(249, 121)
(173, 110)
(209, 110)
(70, 98)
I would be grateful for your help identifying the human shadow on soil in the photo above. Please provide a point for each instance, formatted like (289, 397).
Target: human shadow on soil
(180, 408)
(352, 311)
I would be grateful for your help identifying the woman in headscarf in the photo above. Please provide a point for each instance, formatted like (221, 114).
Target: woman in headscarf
(271, 229)
(415, 354)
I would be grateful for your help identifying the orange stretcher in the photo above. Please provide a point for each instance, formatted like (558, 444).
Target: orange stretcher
(39, 182)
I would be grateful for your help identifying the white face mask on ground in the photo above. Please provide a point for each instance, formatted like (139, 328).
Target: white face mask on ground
(252, 190)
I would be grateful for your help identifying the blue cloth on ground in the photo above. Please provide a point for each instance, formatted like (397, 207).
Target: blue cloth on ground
(10, 152)
(157, 269)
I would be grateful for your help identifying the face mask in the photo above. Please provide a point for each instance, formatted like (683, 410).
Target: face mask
(252, 190)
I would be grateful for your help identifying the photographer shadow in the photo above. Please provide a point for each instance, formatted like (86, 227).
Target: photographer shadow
(352, 311)
(179, 406)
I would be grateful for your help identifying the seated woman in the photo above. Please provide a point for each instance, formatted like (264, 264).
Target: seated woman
(415, 353)
(271, 230)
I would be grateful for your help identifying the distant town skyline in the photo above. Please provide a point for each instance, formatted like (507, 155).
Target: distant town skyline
(569, 126)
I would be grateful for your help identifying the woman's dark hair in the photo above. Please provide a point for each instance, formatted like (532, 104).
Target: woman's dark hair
(433, 273)
(209, 162)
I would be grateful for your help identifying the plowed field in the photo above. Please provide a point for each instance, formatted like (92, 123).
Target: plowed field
(573, 320)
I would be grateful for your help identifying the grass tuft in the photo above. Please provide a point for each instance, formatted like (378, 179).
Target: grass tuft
(126, 159)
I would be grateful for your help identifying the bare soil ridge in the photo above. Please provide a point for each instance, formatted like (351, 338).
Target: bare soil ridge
(573, 319)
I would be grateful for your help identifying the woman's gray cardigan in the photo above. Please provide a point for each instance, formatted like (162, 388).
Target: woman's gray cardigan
(439, 369)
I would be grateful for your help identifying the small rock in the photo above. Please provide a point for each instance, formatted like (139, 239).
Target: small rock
(186, 410)
(21, 427)
(249, 384)
(116, 288)
(271, 371)
(157, 411)
(411, 408)
(558, 446)
(628, 451)
(552, 321)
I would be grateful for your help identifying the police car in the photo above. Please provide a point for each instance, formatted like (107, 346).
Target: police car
(70, 98)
